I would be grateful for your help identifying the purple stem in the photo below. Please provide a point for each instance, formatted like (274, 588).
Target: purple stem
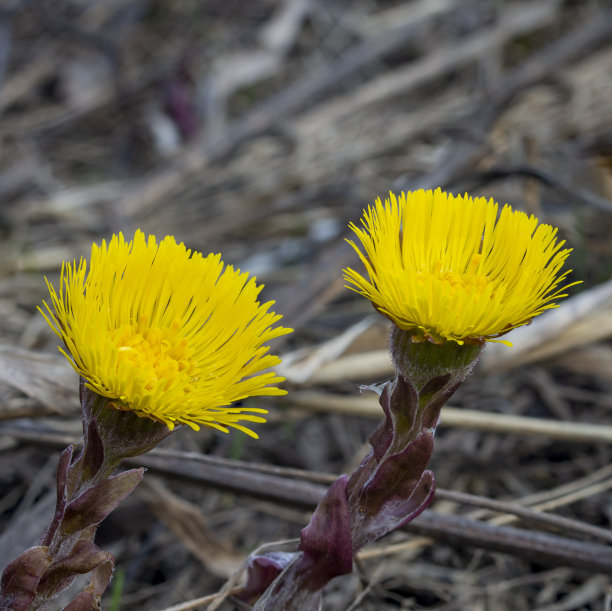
(390, 488)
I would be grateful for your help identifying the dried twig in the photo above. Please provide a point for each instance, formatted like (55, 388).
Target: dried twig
(535, 546)
(577, 432)
(573, 193)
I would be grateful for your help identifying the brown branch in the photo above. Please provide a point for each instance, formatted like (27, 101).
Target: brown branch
(297, 488)
(547, 178)
(528, 544)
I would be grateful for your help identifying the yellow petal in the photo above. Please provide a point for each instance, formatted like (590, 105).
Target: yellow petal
(166, 332)
(454, 267)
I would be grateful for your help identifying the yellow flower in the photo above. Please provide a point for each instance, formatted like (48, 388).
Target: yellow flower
(166, 333)
(452, 268)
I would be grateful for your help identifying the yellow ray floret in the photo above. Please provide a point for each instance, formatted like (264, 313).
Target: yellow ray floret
(456, 268)
(166, 333)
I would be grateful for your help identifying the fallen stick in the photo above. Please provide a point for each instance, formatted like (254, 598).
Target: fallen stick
(453, 417)
(247, 479)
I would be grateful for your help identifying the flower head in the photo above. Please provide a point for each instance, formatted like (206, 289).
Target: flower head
(166, 333)
(451, 267)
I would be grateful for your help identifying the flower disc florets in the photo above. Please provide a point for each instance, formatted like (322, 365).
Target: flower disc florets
(166, 333)
(451, 267)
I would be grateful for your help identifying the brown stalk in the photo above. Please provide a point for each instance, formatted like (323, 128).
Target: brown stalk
(303, 489)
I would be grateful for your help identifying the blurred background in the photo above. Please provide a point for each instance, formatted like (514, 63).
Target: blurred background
(260, 129)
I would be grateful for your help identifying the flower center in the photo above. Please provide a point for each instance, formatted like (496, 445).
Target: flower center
(155, 353)
(469, 282)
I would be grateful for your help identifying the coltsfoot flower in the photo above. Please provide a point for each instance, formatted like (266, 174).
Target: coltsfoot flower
(447, 267)
(166, 333)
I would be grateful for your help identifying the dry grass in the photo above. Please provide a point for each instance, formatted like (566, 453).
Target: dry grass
(259, 129)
